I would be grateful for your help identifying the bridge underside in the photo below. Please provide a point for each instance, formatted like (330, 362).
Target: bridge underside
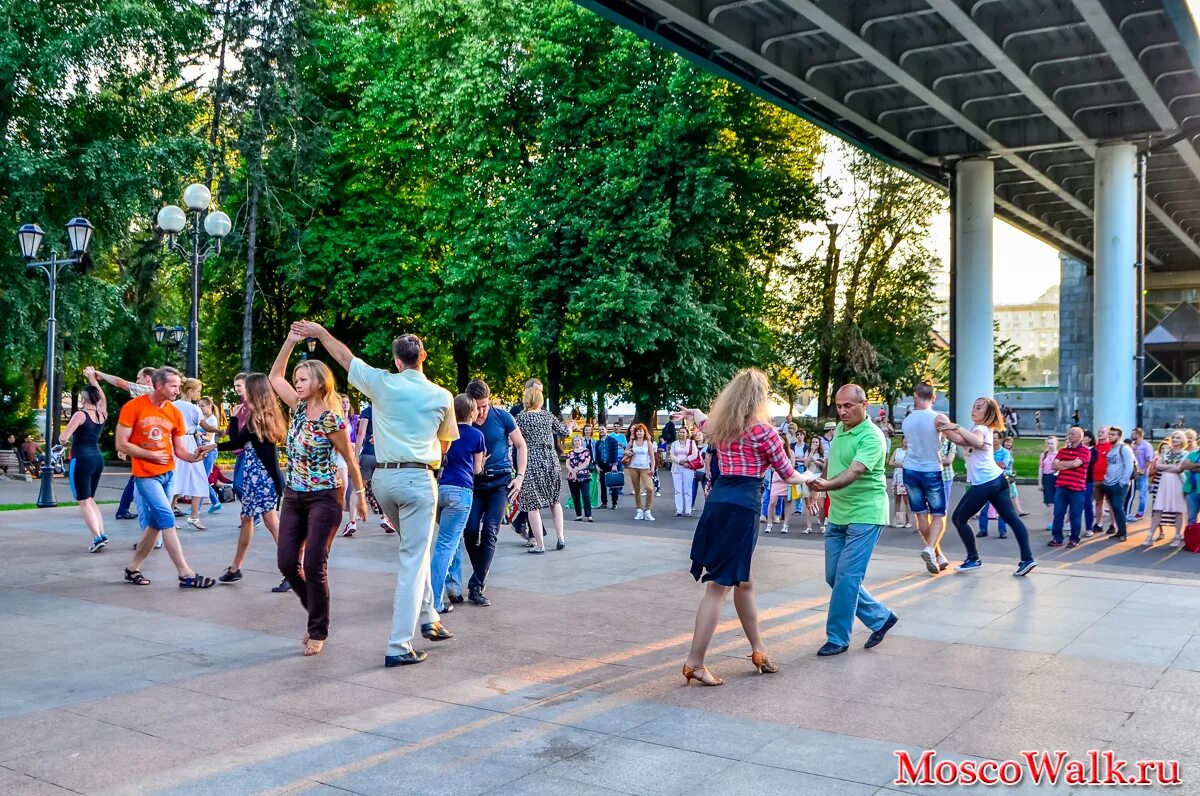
(1040, 111)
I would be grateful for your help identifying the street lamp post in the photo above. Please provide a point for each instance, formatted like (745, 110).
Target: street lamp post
(172, 220)
(171, 337)
(79, 235)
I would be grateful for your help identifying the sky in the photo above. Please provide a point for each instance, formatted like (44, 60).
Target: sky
(1023, 266)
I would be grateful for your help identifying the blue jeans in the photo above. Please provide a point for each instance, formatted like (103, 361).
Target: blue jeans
(1193, 506)
(209, 460)
(154, 501)
(848, 550)
(984, 519)
(948, 483)
(1072, 503)
(126, 498)
(1116, 494)
(479, 538)
(454, 508)
(239, 472)
(1088, 510)
(1142, 484)
(927, 493)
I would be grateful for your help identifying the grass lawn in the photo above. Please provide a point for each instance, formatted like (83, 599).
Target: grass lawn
(61, 503)
(1026, 451)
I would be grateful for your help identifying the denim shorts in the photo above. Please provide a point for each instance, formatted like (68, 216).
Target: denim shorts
(154, 501)
(926, 492)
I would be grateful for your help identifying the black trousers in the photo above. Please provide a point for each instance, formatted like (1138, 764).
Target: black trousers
(479, 537)
(309, 522)
(581, 497)
(979, 495)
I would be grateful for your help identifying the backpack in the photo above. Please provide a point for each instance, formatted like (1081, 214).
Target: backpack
(1191, 537)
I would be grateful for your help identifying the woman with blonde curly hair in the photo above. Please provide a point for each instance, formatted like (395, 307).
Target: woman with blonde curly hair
(312, 497)
(542, 486)
(746, 445)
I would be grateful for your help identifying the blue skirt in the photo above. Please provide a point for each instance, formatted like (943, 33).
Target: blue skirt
(727, 532)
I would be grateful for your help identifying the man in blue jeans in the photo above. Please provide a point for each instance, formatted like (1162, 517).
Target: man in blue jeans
(1143, 453)
(922, 473)
(494, 486)
(858, 509)
(1070, 486)
(1117, 476)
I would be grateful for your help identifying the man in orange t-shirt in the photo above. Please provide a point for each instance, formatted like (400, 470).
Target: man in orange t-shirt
(149, 430)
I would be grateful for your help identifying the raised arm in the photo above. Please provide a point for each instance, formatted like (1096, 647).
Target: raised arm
(336, 348)
(115, 381)
(90, 374)
(278, 375)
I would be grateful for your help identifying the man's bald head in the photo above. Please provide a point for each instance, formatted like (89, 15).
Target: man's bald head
(851, 405)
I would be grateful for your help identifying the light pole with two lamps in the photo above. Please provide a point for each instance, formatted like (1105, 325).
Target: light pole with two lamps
(172, 220)
(170, 337)
(79, 235)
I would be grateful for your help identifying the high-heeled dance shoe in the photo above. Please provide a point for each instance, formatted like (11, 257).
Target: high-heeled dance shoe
(701, 675)
(761, 662)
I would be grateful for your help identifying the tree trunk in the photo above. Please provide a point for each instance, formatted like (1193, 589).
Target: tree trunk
(832, 264)
(601, 408)
(553, 379)
(218, 101)
(248, 309)
(462, 364)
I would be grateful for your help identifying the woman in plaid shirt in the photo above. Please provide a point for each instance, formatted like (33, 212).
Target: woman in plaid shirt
(745, 445)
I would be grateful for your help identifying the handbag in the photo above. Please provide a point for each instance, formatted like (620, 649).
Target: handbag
(614, 480)
(694, 461)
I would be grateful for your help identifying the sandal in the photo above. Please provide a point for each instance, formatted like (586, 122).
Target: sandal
(313, 647)
(136, 577)
(196, 524)
(196, 581)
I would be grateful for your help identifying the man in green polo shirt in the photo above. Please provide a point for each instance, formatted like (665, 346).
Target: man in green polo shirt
(858, 509)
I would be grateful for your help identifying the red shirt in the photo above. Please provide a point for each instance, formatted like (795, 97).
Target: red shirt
(755, 451)
(1100, 462)
(1074, 479)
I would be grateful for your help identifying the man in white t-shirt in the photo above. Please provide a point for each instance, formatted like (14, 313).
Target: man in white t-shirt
(923, 476)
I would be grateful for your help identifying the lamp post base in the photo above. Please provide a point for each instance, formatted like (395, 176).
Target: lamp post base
(46, 495)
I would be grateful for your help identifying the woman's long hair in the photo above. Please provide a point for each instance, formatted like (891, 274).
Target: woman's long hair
(324, 388)
(633, 430)
(741, 403)
(266, 419)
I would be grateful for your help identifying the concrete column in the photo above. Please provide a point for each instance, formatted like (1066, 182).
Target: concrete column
(974, 343)
(1114, 321)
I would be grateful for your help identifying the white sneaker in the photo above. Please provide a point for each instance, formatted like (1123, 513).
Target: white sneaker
(641, 515)
(783, 529)
(768, 529)
(649, 516)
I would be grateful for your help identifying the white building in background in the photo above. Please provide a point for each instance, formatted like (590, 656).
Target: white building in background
(1032, 327)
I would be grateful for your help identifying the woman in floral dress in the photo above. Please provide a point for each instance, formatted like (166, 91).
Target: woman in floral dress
(542, 486)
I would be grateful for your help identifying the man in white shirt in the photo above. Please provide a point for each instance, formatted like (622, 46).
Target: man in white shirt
(413, 423)
(923, 476)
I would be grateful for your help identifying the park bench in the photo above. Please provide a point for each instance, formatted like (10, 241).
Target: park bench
(12, 465)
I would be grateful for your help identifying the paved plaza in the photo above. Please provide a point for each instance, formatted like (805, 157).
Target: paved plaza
(569, 683)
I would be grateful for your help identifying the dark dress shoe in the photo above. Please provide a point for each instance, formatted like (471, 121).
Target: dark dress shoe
(435, 632)
(831, 649)
(456, 598)
(1119, 537)
(125, 515)
(877, 637)
(407, 659)
(477, 598)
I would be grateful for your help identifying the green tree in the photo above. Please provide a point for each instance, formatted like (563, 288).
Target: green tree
(97, 121)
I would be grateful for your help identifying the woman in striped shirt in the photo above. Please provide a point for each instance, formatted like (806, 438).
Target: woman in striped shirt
(745, 445)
